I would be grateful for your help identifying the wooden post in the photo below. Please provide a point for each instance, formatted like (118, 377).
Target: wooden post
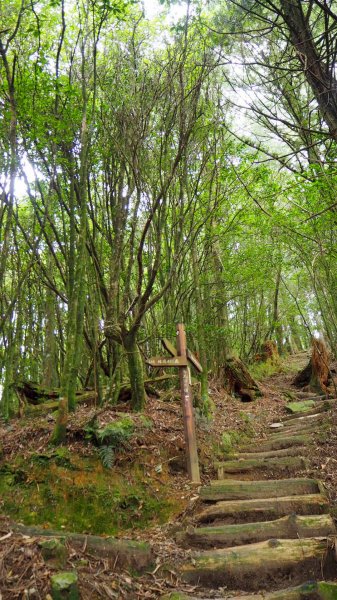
(186, 398)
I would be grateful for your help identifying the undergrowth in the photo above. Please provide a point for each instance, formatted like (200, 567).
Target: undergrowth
(262, 370)
(114, 436)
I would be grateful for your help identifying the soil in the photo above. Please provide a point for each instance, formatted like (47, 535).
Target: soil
(159, 451)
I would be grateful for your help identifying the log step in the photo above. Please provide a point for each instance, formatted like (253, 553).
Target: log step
(292, 451)
(232, 489)
(245, 567)
(277, 443)
(299, 428)
(305, 429)
(318, 409)
(313, 590)
(310, 396)
(300, 406)
(322, 590)
(235, 511)
(283, 463)
(308, 419)
(292, 526)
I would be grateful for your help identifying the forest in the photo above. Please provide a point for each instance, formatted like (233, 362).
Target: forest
(163, 170)
(161, 163)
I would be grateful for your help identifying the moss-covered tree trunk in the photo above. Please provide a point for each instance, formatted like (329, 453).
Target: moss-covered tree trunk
(201, 339)
(77, 292)
(136, 372)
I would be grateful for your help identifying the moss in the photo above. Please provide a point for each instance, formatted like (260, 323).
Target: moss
(54, 551)
(145, 422)
(300, 407)
(83, 499)
(327, 591)
(262, 370)
(64, 586)
(231, 439)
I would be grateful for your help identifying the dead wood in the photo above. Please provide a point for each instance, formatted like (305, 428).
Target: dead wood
(34, 393)
(124, 553)
(239, 380)
(268, 351)
(41, 399)
(315, 375)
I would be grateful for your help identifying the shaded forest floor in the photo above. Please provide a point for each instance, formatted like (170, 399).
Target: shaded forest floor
(145, 495)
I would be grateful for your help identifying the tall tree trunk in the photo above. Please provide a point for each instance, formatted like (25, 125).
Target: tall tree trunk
(77, 288)
(201, 338)
(276, 325)
(319, 77)
(136, 372)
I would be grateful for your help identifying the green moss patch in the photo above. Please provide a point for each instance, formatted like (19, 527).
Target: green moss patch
(78, 494)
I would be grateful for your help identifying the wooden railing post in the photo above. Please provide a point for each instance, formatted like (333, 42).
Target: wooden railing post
(188, 415)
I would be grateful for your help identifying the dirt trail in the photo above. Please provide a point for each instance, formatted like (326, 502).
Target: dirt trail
(264, 524)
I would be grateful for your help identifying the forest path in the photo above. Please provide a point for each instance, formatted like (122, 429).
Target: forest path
(263, 524)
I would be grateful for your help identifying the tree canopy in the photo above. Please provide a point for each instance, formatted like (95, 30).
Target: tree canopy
(163, 169)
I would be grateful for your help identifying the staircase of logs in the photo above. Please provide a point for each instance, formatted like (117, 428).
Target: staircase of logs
(262, 528)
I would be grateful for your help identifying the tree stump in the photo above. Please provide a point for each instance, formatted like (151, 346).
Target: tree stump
(268, 351)
(315, 375)
(239, 380)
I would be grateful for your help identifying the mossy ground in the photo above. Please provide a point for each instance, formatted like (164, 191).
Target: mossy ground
(62, 490)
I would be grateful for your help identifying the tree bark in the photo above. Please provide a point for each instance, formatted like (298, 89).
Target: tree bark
(319, 77)
(136, 372)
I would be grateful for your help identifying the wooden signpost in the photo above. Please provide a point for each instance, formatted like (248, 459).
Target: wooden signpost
(180, 358)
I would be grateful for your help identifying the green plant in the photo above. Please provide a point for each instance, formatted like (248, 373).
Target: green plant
(107, 456)
(111, 437)
(117, 433)
(262, 370)
(229, 440)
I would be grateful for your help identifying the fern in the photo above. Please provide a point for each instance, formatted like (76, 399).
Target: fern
(115, 434)
(107, 456)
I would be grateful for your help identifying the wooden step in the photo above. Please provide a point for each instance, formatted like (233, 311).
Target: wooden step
(291, 526)
(300, 406)
(308, 419)
(236, 511)
(309, 396)
(318, 409)
(277, 443)
(301, 429)
(245, 567)
(245, 465)
(322, 590)
(292, 451)
(250, 490)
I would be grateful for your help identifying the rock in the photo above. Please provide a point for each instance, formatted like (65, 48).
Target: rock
(64, 586)
(54, 552)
